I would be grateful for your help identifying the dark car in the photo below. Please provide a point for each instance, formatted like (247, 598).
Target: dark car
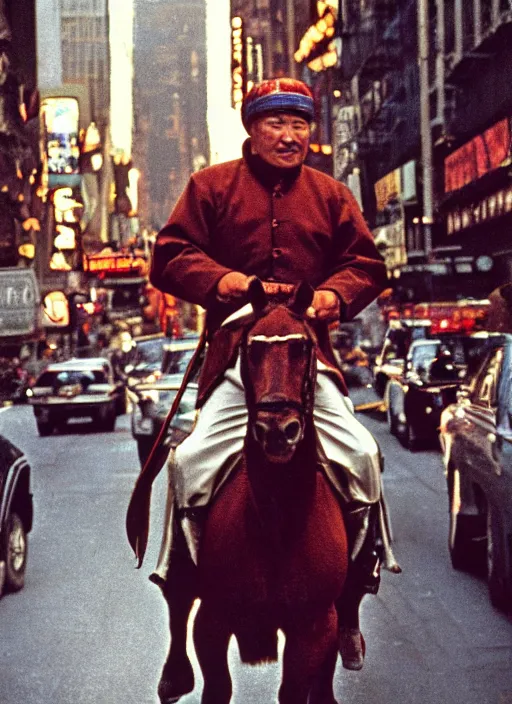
(428, 381)
(16, 516)
(476, 439)
(178, 353)
(144, 362)
(399, 336)
(77, 388)
(151, 404)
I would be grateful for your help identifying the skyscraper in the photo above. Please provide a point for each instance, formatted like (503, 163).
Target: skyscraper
(170, 85)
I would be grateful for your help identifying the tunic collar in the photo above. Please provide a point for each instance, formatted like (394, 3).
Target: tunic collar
(268, 175)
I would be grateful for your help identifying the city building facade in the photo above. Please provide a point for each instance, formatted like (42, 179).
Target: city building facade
(170, 70)
(423, 130)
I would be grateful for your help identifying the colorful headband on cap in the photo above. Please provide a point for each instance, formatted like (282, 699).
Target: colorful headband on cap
(278, 94)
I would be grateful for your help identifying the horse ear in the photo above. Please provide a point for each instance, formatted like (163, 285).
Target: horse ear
(257, 296)
(301, 299)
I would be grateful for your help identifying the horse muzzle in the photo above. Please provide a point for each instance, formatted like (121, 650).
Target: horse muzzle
(278, 432)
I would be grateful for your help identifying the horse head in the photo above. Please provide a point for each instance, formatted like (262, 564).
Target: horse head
(278, 370)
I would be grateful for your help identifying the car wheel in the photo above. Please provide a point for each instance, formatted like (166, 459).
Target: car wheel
(106, 420)
(465, 530)
(143, 450)
(15, 553)
(380, 385)
(44, 428)
(496, 578)
(121, 404)
(409, 437)
(392, 419)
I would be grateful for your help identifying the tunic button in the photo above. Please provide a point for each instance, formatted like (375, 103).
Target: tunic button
(275, 223)
(276, 252)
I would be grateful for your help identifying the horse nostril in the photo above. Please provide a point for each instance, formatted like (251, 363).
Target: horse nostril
(260, 429)
(293, 431)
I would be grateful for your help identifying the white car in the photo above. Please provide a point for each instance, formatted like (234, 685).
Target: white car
(77, 388)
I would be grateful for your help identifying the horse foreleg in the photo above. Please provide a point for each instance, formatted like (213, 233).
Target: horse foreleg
(322, 690)
(211, 640)
(179, 591)
(309, 653)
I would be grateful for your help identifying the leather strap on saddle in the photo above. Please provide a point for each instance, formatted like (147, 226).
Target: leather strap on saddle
(137, 517)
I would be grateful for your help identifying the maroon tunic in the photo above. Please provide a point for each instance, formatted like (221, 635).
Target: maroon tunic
(281, 225)
(285, 225)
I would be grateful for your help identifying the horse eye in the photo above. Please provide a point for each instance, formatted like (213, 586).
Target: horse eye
(256, 351)
(297, 349)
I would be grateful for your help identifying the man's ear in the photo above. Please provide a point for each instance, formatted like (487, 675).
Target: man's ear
(257, 296)
(302, 298)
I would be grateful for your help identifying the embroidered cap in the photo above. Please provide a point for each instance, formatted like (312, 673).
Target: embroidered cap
(284, 94)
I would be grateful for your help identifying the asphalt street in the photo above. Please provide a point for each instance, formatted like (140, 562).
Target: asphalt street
(88, 628)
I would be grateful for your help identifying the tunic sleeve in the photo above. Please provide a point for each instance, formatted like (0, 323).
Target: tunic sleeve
(181, 263)
(358, 274)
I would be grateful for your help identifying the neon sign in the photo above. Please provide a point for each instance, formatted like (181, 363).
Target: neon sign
(114, 264)
(238, 63)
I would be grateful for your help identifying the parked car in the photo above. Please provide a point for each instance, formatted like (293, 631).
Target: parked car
(389, 363)
(16, 515)
(77, 388)
(146, 357)
(178, 353)
(428, 382)
(476, 439)
(151, 404)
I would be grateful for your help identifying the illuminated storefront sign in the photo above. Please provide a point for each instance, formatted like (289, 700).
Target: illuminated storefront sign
(486, 209)
(393, 236)
(388, 188)
(55, 310)
(484, 153)
(19, 302)
(317, 46)
(238, 63)
(60, 117)
(114, 264)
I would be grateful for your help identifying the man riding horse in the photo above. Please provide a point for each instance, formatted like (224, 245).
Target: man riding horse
(267, 215)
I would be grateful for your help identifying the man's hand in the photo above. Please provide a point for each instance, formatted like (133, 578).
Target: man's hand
(233, 285)
(324, 306)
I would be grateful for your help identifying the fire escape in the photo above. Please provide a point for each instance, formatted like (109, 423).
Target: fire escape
(371, 62)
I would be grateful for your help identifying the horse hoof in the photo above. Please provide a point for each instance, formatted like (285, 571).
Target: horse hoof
(352, 648)
(167, 700)
(172, 688)
(167, 693)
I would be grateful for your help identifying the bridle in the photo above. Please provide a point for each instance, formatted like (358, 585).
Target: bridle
(307, 395)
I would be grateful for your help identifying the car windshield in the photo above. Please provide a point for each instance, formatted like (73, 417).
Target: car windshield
(465, 354)
(166, 398)
(176, 361)
(423, 356)
(149, 352)
(72, 377)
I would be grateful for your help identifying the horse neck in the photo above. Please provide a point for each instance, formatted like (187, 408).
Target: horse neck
(282, 494)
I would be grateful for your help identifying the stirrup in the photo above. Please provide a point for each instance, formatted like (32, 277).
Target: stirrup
(352, 648)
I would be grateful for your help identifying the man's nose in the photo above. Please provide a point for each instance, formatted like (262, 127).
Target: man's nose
(288, 134)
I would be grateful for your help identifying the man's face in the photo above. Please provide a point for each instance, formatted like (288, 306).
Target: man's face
(281, 139)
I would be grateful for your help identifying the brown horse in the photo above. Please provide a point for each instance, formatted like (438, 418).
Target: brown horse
(274, 549)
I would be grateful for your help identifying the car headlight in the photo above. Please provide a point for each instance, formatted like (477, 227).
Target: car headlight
(141, 424)
(145, 426)
(150, 395)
